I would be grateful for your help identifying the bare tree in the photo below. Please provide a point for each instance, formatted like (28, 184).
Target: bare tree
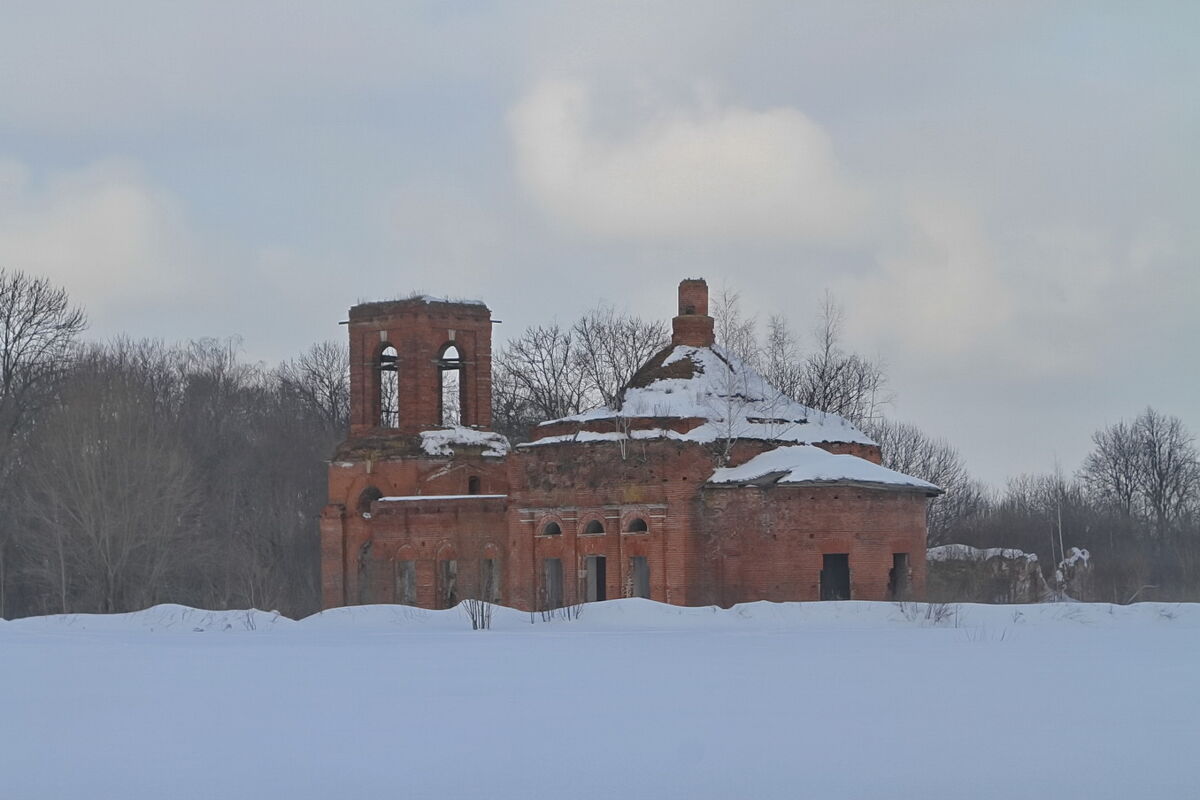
(782, 363)
(610, 347)
(827, 377)
(1112, 470)
(542, 363)
(38, 329)
(320, 377)
(735, 332)
(1147, 468)
(512, 412)
(110, 498)
(833, 380)
(1170, 471)
(906, 448)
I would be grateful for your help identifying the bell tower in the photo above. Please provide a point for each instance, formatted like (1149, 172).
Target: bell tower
(404, 358)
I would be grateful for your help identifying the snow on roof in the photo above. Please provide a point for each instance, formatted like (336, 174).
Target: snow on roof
(964, 552)
(428, 298)
(413, 497)
(712, 384)
(807, 464)
(441, 441)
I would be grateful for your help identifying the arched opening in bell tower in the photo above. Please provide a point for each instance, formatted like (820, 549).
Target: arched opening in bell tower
(389, 387)
(450, 366)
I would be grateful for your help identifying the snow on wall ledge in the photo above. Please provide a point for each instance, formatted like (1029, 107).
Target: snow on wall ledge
(417, 498)
(441, 441)
(803, 463)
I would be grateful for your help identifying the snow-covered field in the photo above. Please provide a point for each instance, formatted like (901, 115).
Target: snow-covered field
(632, 699)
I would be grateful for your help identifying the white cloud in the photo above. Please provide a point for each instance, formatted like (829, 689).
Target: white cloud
(719, 174)
(937, 291)
(104, 232)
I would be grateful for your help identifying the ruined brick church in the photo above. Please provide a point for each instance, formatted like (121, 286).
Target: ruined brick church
(701, 485)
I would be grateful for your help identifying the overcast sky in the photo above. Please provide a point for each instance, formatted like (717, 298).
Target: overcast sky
(1003, 196)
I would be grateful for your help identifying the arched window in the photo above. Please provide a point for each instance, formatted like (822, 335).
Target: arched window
(551, 529)
(594, 527)
(636, 525)
(389, 388)
(473, 484)
(366, 497)
(450, 369)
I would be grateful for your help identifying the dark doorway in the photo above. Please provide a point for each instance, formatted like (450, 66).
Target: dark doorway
(596, 580)
(835, 576)
(552, 583)
(639, 569)
(898, 577)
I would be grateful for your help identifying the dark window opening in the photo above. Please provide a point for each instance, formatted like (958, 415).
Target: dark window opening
(389, 388)
(551, 529)
(366, 497)
(473, 484)
(489, 580)
(689, 309)
(898, 577)
(594, 527)
(447, 583)
(835, 576)
(637, 525)
(552, 583)
(406, 583)
(450, 367)
(639, 574)
(595, 578)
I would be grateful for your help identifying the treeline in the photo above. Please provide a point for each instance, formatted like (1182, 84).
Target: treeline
(1134, 504)
(137, 472)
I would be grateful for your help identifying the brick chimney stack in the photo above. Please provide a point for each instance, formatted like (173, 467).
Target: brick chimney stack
(693, 327)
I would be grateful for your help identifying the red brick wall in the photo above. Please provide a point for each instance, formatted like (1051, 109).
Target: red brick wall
(693, 326)
(693, 295)
(344, 530)
(577, 482)
(427, 531)
(703, 546)
(768, 543)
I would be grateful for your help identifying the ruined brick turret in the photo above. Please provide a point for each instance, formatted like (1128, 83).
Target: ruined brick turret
(693, 326)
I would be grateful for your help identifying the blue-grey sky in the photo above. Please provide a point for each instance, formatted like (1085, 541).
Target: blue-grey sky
(1001, 195)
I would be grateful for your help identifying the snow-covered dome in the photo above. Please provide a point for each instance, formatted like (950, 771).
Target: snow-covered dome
(724, 397)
